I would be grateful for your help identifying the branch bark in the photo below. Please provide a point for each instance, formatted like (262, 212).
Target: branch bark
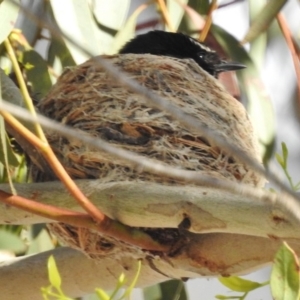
(222, 238)
(22, 277)
(161, 206)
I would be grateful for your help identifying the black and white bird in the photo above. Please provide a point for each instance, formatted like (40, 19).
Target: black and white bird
(181, 46)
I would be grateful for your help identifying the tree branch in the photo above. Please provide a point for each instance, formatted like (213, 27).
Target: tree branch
(213, 254)
(160, 206)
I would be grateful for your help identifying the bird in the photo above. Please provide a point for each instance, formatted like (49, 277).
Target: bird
(181, 46)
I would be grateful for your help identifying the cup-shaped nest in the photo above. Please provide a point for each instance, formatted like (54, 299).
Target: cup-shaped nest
(87, 98)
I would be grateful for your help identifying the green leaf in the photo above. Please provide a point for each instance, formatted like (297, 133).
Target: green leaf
(102, 294)
(280, 160)
(59, 57)
(53, 273)
(285, 153)
(76, 20)
(173, 289)
(127, 32)
(227, 297)
(58, 49)
(152, 292)
(134, 281)
(9, 90)
(35, 229)
(12, 242)
(176, 11)
(201, 6)
(111, 14)
(21, 172)
(46, 291)
(6, 151)
(7, 156)
(121, 279)
(8, 16)
(37, 72)
(120, 284)
(41, 243)
(285, 282)
(257, 46)
(263, 19)
(259, 105)
(297, 186)
(194, 17)
(239, 284)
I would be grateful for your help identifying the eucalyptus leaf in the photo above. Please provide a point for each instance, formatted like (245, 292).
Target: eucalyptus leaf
(285, 153)
(53, 273)
(201, 6)
(41, 243)
(258, 46)
(8, 16)
(173, 289)
(102, 295)
(37, 72)
(259, 104)
(31, 29)
(263, 19)
(280, 160)
(111, 14)
(194, 19)
(58, 49)
(134, 281)
(176, 11)
(283, 161)
(75, 19)
(239, 284)
(9, 90)
(222, 297)
(59, 57)
(127, 32)
(152, 292)
(11, 241)
(285, 283)
(7, 156)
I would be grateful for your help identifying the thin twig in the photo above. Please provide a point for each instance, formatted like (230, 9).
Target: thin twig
(23, 88)
(165, 14)
(208, 21)
(114, 229)
(289, 40)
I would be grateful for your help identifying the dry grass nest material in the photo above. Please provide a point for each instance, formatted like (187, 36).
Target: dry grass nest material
(86, 98)
(95, 246)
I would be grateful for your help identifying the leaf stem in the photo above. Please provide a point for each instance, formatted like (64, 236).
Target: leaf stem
(23, 88)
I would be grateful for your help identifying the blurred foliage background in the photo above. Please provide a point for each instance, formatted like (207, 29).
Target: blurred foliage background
(48, 36)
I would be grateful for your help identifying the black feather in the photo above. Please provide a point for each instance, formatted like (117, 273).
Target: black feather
(181, 46)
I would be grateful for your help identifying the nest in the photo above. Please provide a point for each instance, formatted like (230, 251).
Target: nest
(95, 245)
(87, 99)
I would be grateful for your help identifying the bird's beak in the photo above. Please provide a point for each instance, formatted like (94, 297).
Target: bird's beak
(225, 66)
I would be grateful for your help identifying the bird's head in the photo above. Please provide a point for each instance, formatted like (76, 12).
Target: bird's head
(182, 46)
